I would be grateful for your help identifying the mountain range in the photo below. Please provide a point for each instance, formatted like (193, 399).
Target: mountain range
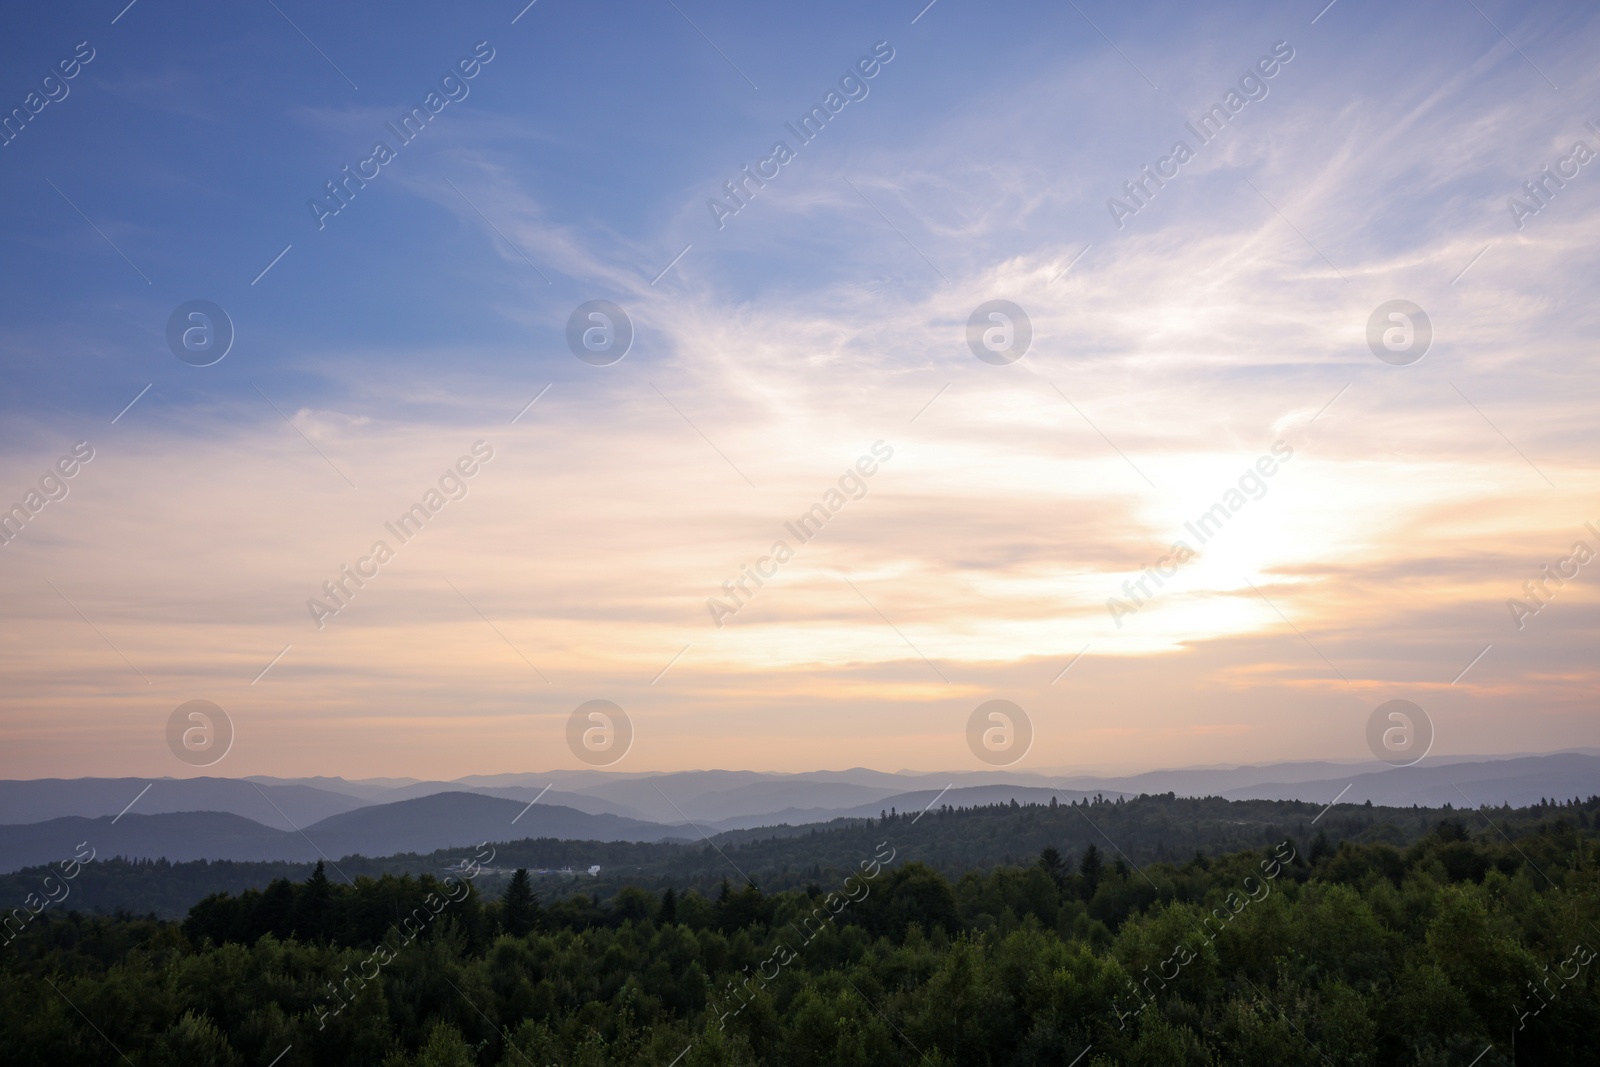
(302, 819)
(419, 825)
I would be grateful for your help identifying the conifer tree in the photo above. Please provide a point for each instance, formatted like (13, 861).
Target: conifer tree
(517, 905)
(1090, 868)
(669, 908)
(1050, 863)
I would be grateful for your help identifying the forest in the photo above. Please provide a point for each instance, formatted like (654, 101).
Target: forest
(1471, 944)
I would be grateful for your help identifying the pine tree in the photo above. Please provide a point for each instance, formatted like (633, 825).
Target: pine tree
(517, 905)
(669, 908)
(312, 905)
(1050, 863)
(1090, 868)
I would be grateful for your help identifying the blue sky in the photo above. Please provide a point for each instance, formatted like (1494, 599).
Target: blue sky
(197, 135)
(1220, 318)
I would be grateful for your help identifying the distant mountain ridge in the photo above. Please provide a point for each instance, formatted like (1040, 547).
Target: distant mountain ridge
(279, 805)
(386, 816)
(1519, 781)
(424, 824)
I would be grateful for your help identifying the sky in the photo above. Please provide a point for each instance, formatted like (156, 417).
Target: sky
(1185, 335)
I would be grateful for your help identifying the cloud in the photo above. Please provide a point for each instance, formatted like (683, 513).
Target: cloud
(1219, 322)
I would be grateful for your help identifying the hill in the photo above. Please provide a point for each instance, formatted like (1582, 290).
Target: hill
(427, 824)
(1519, 781)
(281, 807)
(459, 819)
(949, 839)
